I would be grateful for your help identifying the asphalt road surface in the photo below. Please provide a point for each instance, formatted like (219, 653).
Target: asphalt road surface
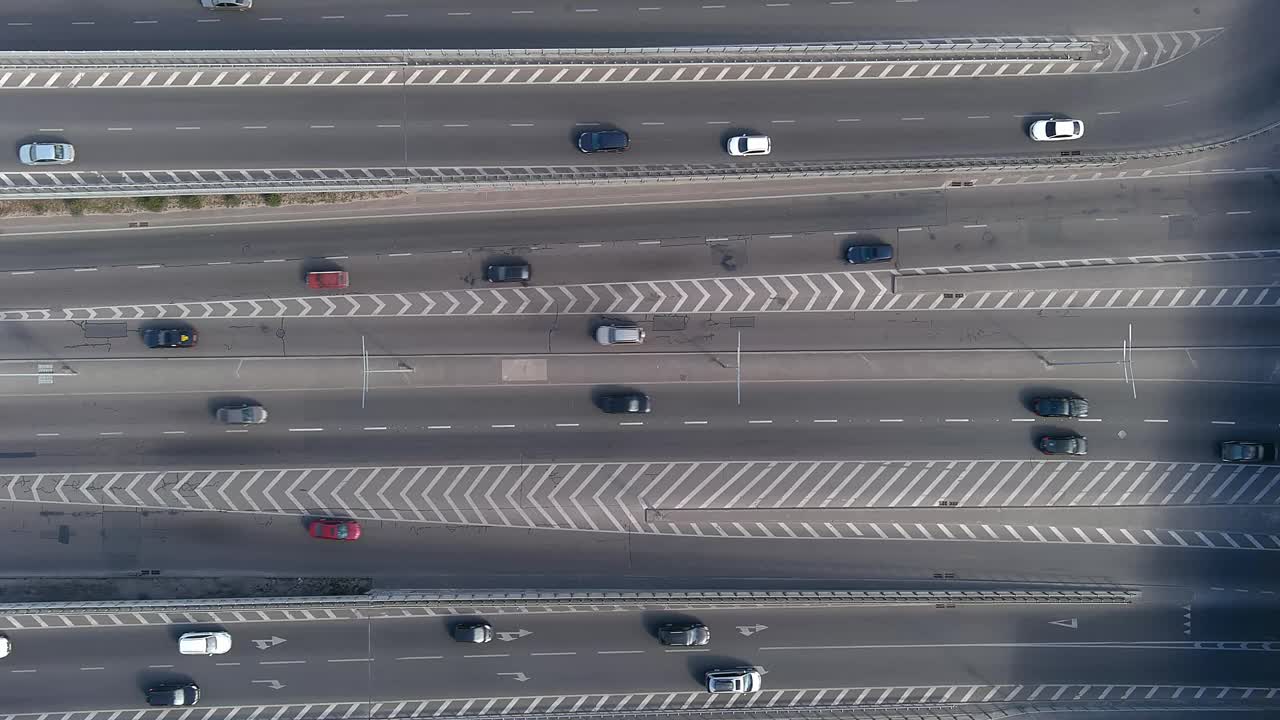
(390, 659)
(323, 24)
(504, 125)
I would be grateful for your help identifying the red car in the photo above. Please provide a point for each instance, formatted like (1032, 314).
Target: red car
(327, 280)
(334, 529)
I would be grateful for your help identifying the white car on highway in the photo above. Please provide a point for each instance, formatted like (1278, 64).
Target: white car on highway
(6, 646)
(749, 145)
(1060, 129)
(227, 4)
(204, 643)
(46, 153)
(736, 680)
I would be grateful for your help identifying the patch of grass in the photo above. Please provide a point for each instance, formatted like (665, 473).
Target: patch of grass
(231, 200)
(75, 206)
(272, 199)
(191, 202)
(152, 203)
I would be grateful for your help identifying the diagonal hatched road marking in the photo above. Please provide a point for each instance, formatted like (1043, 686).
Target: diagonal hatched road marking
(737, 499)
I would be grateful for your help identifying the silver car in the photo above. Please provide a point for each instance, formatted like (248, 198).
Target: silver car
(227, 4)
(619, 334)
(735, 680)
(242, 415)
(47, 153)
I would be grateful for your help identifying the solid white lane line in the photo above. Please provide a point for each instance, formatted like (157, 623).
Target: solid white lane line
(631, 423)
(306, 429)
(283, 662)
(892, 420)
(1022, 420)
(956, 420)
(1155, 420)
(502, 426)
(422, 657)
(174, 432)
(695, 422)
(1222, 422)
(618, 652)
(1239, 212)
(826, 421)
(485, 656)
(377, 427)
(345, 660)
(439, 427)
(566, 424)
(552, 654)
(1090, 419)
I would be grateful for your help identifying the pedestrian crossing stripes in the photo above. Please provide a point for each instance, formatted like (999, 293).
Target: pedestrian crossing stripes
(772, 499)
(808, 293)
(685, 700)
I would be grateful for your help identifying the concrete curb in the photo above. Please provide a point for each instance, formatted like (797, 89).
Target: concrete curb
(636, 600)
(1049, 49)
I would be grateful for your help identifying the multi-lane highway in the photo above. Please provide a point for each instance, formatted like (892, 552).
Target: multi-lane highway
(850, 652)
(814, 424)
(288, 24)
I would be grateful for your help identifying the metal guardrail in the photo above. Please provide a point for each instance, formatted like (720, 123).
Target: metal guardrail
(940, 49)
(637, 599)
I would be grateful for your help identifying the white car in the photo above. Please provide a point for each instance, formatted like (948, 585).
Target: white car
(227, 4)
(6, 646)
(736, 680)
(749, 145)
(47, 153)
(204, 643)
(1051, 130)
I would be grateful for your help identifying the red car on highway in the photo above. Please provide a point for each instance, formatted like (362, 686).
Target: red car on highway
(328, 280)
(334, 529)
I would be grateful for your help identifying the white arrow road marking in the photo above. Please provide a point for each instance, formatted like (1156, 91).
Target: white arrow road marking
(273, 684)
(517, 676)
(508, 636)
(268, 643)
(1072, 623)
(749, 630)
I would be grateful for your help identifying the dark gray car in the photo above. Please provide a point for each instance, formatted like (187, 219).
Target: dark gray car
(864, 254)
(684, 634)
(631, 402)
(1240, 451)
(480, 632)
(597, 141)
(173, 694)
(1064, 445)
(1070, 407)
(508, 273)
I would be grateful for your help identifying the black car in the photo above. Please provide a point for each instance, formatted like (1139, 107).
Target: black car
(169, 337)
(480, 632)
(863, 254)
(508, 273)
(597, 141)
(1063, 445)
(631, 402)
(173, 694)
(684, 634)
(1240, 451)
(1067, 407)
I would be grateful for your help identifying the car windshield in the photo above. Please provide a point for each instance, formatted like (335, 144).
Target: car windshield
(341, 532)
